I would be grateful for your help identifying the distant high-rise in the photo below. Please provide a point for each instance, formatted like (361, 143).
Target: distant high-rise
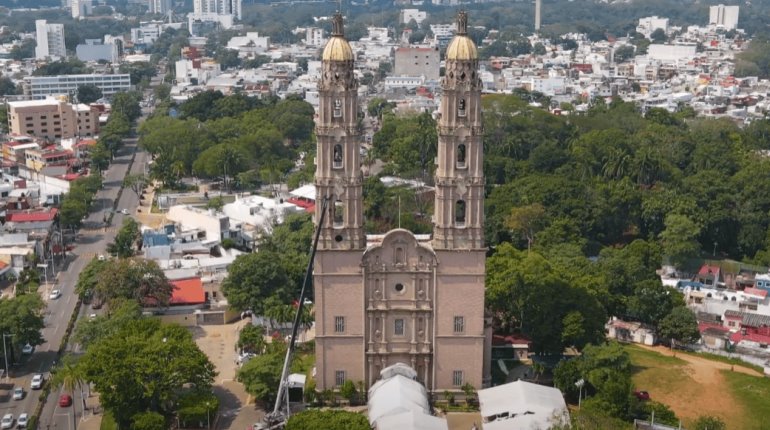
(724, 16)
(80, 8)
(159, 6)
(537, 15)
(50, 40)
(218, 7)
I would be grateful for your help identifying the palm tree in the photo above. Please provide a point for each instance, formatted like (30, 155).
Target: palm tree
(70, 376)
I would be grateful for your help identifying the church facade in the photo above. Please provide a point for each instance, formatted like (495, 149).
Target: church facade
(401, 297)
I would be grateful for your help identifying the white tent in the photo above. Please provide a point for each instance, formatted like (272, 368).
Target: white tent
(411, 420)
(521, 405)
(398, 402)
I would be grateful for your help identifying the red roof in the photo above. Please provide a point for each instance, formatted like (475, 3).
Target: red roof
(756, 292)
(70, 176)
(187, 292)
(512, 339)
(54, 154)
(304, 204)
(708, 270)
(751, 337)
(32, 216)
(704, 326)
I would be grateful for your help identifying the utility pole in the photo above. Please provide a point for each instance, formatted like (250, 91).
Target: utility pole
(5, 355)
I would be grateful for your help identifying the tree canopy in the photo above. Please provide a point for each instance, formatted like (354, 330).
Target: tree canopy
(327, 419)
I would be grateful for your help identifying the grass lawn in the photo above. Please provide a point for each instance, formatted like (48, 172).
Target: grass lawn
(723, 359)
(665, 373)
(754, 393)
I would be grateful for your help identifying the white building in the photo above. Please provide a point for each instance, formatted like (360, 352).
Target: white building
(38, 87)
(159, 6)
(314, 36)
(251, 43)
(196, 72)
(671, 53)
(218, 7)
(260, 212)
(651, 23)
(50, 40)
(81, 8)
(722, 16)
(94, 50)
(147, 32)
(216, 225)
(407, 15)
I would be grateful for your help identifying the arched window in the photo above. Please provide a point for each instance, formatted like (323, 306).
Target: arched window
(460, 213)
(461, 107)
(337, 108)
(461, 155)
(338, 213)
(337, 156)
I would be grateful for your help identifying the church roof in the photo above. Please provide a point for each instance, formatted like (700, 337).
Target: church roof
(337, 48)
(462, 48)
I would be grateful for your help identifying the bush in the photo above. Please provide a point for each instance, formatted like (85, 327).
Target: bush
(193, 410)
(314, 419)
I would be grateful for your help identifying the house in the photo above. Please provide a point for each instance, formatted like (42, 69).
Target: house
(635, 332)
(511, 346)
(714, 337)
(304, 197)
(522, 405)
(187, 292)
(710, 276)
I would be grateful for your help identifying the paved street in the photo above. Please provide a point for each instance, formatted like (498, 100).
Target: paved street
(90, 241)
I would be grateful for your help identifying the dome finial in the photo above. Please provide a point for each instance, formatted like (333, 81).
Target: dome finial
(337, 28)
(462, 23)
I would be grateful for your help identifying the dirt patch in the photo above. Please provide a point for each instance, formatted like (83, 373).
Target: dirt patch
(699, 388)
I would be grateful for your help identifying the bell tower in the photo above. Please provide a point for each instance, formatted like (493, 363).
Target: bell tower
(459, 207)
(338, 165)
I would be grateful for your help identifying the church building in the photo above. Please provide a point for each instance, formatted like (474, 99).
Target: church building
(401, 297)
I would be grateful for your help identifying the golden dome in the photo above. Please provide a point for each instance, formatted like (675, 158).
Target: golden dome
(338, 49)
(462, 48)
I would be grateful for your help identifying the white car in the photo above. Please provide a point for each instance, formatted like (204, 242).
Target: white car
(37, 382)
(55, 294)
(124, 211)
(18, 393)
(23, 420)
(27, 349)
(7, 421)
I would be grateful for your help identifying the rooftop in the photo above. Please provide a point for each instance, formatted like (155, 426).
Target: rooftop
(187, 292)
(37, 216)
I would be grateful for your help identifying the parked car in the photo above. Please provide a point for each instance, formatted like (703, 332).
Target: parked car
(65, 400)
(27, 349)
(124, 211)
(642, 395)
(55, 294)
(22, 421)
(6, 422)
(37, 382)
(18, 393)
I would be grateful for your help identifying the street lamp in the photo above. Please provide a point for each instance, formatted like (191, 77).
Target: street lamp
(44, 266)
(580, 384)
(208, 419)
(5, 355)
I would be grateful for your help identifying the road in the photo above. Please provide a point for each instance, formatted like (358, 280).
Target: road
(91, 240)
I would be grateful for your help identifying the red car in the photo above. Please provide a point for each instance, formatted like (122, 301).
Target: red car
(642, 395)
(65, 400)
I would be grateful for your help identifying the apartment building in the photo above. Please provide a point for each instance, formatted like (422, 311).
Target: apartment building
(52, 119)
(39, 87)
(50, 40)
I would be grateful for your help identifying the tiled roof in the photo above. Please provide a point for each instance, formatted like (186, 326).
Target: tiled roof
(32, 216)
(187, 292)
(749, 319)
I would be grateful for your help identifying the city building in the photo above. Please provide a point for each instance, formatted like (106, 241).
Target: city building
(94, 50)
(407, 15)
(314, 36)
(52, 119)
(147, 32)
(50, 40)
(218, 7)
(80, 8)
(722, 16)
(418, 61)
(159, 6)
(400, 297)
(651, 23)
(38, 87)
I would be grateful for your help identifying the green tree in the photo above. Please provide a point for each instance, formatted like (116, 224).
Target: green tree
(120, 314)
(251, 338)
(148, 421)
(89, 277)
(127, 103)
(327, 419)
(100, 156)
(126, 240)
(624, 52)
(261, 375)
(652, 301)
(658, 36)
(135, 182)
(680, 325)
(680, 239)
(527, 220)
(252, 278)
(23, 318)
(69, 376)
(133, 279)
(144, 366)
(348, 391)
(7, 87)
(88, 93)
